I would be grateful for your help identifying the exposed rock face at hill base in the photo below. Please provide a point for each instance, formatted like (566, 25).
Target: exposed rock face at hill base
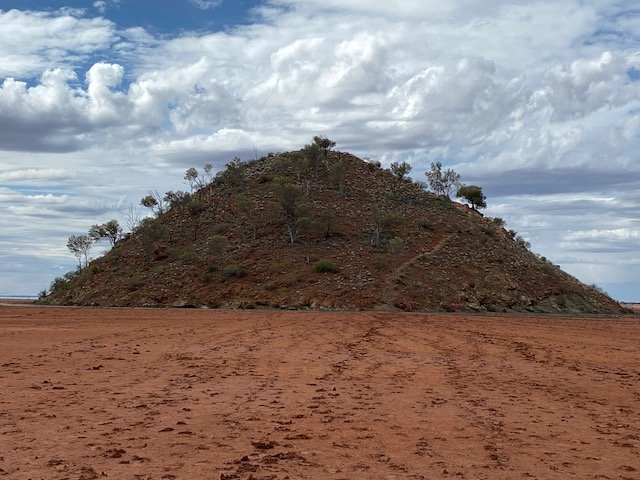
(363, 239)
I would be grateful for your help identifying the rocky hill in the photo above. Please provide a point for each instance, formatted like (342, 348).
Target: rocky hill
(324, 230)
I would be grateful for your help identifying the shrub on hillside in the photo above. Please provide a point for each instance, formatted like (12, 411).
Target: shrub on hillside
(396, 245)
(325, 266)
(378, 262)
(425, 223)
(189, 257)
(233, 271)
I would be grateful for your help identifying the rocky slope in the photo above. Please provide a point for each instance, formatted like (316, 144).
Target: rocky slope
(228, 244)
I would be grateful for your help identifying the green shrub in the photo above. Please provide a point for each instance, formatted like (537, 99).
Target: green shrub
(396, 245)
(324, 266)
(151, 230)
(189, 257)
(374, 165)
(522, 242)
(135, 283)
(378, 262)
(561, 300)
(425, 223)
(231, 271)
(220, 228)
(217, 244)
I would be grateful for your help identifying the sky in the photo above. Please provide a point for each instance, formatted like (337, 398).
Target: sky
(538, 102)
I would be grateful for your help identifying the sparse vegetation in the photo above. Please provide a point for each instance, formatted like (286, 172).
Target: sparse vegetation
(396, 245)
(189, 257)
(294, 209)
(386, 232)
(326, 220)
(110, 231)
(178, 199)
(79, 246)
(382, 222)
(374, 165)
(325, 144)
(196, 180)
(154, 202)
(337, 175)
(152, 231)
(233, 271)
(473, 194)
(324, 266)
(400, 170)
(522, 242)
(233, 174)
(378, 262)
(217, 245)
(425, 223)
(442, 183)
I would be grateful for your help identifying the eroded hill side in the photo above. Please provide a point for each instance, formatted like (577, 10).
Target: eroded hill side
(363, 239)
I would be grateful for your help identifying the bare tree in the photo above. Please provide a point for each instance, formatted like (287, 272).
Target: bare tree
(133, 217)
(442, 183)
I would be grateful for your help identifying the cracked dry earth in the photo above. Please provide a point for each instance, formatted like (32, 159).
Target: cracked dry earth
(186, 394)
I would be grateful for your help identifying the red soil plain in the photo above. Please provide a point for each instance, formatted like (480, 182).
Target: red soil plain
(205, 394)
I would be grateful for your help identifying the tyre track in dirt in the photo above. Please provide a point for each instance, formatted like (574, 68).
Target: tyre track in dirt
(165, 394)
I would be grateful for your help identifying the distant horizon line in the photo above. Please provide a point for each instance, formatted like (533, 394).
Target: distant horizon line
(29, 297)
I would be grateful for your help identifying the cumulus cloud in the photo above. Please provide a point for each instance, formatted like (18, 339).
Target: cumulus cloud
(541, 111)
(54, 115)
(32, 42)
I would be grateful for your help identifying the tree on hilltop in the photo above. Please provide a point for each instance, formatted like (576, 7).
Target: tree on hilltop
(442, 183)
(473, 194)
(178, 199)
(400, 170)
(80, 245)
(154, 202)
(197, 181)
(233, 174)
(325, 143)
(110, 230)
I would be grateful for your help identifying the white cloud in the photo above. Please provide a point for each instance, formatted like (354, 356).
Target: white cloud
(100, 5)
(521, 97)
(206, 4)
(34, 41)
(35, 175)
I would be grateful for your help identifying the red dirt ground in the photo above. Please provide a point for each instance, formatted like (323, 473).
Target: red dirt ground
(190, 394)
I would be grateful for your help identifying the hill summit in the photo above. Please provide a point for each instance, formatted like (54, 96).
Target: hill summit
(322, 229)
